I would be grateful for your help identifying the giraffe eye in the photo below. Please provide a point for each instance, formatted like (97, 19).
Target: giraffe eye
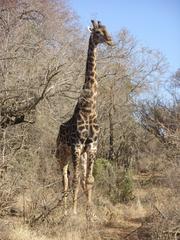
(98, 32)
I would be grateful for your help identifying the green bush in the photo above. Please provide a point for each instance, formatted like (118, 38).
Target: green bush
(105, 177)
(114, 183)
(101, 165)
(127, 187)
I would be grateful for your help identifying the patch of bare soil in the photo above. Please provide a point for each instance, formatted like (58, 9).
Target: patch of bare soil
(119, 231)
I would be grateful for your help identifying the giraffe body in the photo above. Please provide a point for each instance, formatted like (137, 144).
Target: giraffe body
(77, 138)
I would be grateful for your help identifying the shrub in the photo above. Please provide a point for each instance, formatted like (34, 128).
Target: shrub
(113, 182)
(126, 187)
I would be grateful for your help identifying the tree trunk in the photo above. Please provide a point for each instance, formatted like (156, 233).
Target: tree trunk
(111, 135)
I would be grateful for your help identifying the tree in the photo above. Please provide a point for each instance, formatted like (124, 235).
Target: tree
(162, 121)
(127, 72)
(30, 55)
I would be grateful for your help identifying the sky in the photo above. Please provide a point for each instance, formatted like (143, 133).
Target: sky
(153, 23)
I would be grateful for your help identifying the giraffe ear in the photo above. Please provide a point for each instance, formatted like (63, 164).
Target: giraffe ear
(100, 24)
(90, 29)
(94, 23)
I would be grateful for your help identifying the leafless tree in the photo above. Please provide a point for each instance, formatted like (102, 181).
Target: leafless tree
(130, 73)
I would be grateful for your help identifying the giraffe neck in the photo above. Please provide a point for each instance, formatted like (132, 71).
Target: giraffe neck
(87, 100)
(90, 75)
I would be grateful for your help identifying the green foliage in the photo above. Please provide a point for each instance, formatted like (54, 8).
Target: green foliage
(127, 187)
(114, 183)
(105, 176)
(101, 165)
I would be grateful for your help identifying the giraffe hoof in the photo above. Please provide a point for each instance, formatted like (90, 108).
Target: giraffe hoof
(90, 215)
(75, 213)
(90, 180)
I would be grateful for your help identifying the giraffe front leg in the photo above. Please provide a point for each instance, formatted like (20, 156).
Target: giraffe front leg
(89, 177)
(84, 171)
(65, 186)
(76, 153)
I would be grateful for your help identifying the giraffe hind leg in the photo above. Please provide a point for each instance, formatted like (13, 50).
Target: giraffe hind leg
(65, 186)
(63, 158)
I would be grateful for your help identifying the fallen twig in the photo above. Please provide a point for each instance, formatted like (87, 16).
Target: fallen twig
(129, 234)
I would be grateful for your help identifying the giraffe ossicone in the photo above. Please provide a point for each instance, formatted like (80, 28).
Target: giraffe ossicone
(77, 138)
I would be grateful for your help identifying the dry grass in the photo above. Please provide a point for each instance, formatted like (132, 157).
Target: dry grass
(23, 232)
(70, 228)
(113, 220)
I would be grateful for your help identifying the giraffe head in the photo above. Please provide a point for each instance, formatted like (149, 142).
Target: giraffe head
(99, 33)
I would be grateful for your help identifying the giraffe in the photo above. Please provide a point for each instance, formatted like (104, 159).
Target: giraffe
(77, 138)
